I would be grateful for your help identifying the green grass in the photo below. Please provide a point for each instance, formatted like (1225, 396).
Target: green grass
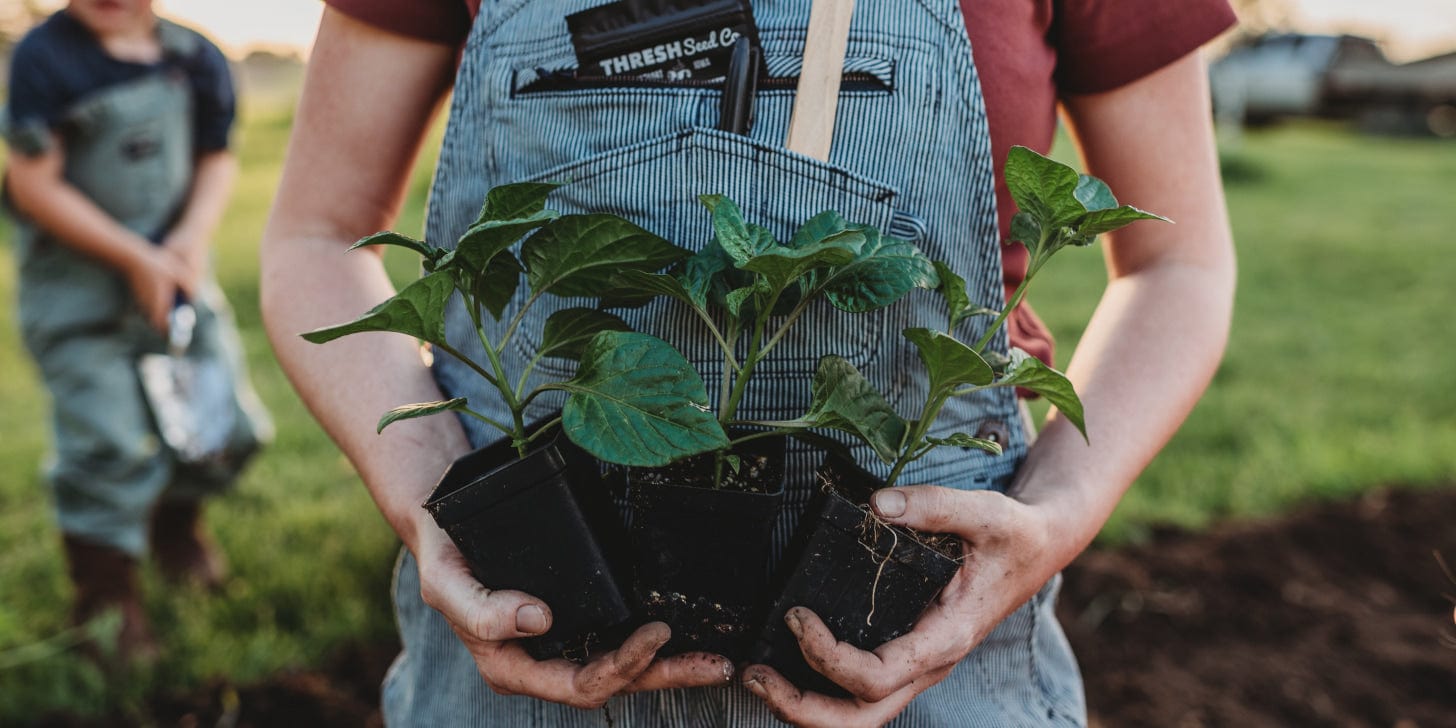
(1337, 380)
(310, 556)
(1338, 372)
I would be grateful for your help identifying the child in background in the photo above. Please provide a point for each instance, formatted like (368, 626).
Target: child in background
(118, 173)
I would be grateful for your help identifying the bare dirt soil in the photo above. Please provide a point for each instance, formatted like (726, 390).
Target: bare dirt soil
(1337, 615)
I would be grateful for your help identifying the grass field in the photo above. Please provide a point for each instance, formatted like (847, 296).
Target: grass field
(1337, 380)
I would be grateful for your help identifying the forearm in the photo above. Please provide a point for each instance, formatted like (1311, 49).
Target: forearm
(367, 101)
(348, 384)
(72, 219)
(212, 184)
(1159, 331)
(1146, 356)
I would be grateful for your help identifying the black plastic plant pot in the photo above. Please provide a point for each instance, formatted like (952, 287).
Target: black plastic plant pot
(701, 553)
(870, 582)
(544, 525)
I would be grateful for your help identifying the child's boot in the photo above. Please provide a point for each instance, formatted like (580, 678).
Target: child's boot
(105, 579)
(182, 548)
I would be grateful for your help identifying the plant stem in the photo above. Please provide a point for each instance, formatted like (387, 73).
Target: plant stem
(759, 436)
(756, 353)
(725, 382)
(544, 429)
(790, 320)
(729, 358)
(1001, 317)
(517, 319)
(518, 434)
(452, 351)
(497, 425)
(1031, 269)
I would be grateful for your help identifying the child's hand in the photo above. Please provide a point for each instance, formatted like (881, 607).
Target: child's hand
(155, 275)
(191, 250)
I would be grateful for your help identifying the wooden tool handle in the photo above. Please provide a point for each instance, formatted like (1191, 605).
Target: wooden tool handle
(811, 127)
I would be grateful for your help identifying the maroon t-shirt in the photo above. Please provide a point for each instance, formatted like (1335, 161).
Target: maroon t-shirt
(1028, 54)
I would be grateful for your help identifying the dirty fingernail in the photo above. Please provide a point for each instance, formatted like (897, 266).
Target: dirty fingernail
(889, 503)
(531, 619)
(795, 624)
(755, 687)
(727, 671)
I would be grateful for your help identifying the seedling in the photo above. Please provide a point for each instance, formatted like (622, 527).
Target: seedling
(1059, 208)
(634, 400)
(760, 288)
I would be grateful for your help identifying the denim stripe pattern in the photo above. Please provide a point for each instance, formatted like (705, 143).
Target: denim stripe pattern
(911, 156)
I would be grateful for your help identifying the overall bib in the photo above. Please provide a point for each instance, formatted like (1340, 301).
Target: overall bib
(911, 156)
(129, 149)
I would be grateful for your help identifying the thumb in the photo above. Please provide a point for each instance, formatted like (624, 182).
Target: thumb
(970, 514)
(478, 612)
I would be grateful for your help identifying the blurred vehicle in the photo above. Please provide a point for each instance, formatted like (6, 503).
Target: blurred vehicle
(1277, 76)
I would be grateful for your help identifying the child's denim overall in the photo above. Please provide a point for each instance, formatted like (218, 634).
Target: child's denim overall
(911, 155)
(129, 149)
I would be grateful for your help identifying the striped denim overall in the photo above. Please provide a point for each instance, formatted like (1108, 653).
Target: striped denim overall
(129, 149)
(911, 155)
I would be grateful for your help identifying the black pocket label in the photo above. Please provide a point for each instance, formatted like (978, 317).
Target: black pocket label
(670, 40)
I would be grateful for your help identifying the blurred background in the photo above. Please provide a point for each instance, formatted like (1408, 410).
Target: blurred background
(1280, 563)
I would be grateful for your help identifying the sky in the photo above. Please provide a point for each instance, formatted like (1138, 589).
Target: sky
(1411, 28)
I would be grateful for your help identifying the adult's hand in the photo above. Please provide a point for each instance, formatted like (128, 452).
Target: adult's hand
(489, 623)
(1005, 563)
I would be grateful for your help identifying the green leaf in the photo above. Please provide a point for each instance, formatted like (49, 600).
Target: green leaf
(961, 439)
(781, 266)
(710, 273)
(1028, 372)
(484, 241)
(417, 310)
(740, 240)
(641, 284)
(568, 331)
(948, 362)
(423, 409)
(497, 285)
(1093, 193)
(636, 401)
(884, 270)
(394, 239)
(515, 201)
(579, 255)
(1105, 221)
(957, 301)
(739, 297)
(1043, 187)
(1026, 230)
(842, 399)
(820, 227)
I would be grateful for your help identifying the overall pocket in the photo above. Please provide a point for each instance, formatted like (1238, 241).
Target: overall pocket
(656, 184)
(645, 150)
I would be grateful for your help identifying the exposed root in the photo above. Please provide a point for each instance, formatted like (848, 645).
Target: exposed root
(875, 587)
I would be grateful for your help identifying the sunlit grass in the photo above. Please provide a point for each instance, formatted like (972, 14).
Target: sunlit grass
(1338, 373)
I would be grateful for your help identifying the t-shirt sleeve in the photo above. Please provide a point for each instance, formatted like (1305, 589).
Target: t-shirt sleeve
(36, 102)
(439, 21)
(215, 101)
(1105, 44)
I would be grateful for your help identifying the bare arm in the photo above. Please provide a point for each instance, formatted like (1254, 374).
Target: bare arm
(367, 102)
(1146, 356)
(1159, 331)
(191, 237)
(40, 192)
